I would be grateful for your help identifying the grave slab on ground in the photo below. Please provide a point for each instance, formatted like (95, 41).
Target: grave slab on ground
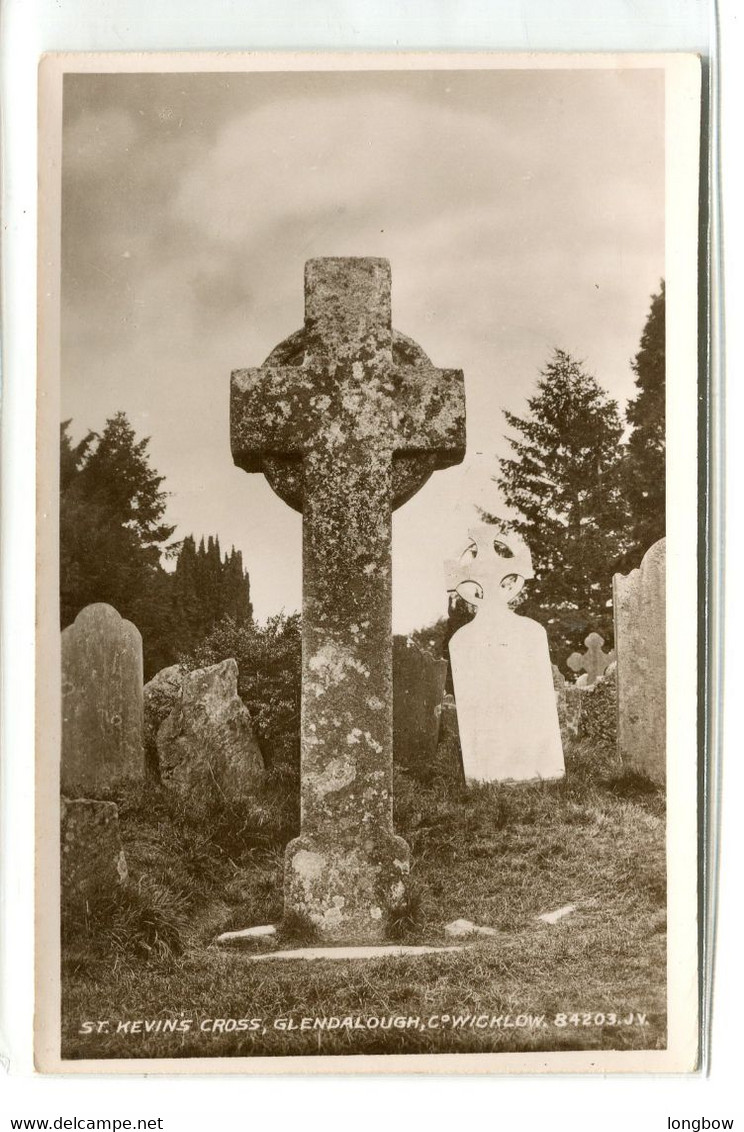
(379, 951)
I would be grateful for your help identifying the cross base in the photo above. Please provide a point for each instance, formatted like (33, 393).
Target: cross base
(346, 892)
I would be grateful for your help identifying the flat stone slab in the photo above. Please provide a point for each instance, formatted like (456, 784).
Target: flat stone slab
(383, 951)
(262, 931)
(467, 927)
(559, 914)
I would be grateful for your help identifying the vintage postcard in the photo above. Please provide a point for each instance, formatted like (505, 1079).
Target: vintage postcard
(368, 490)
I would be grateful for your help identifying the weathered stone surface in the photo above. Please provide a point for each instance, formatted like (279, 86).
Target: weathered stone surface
(506, 709)
(559, 688)
(418, 688)
(102, 709)
(593, 662)
(347, 420)
(92, 858)
(639, 603)
(207, 741)
(161, 694)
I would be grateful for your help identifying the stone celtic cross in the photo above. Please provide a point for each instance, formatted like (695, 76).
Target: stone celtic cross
(347, 419)
(593, 662)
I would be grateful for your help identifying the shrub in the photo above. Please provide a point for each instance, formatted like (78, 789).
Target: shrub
(599, 710)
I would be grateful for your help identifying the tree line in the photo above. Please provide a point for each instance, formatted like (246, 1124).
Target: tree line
(114, 542)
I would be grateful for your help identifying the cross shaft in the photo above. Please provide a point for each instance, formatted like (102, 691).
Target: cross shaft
(344, 430)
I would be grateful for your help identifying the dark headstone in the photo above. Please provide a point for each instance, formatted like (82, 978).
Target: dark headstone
(102, 710)
(449, 752)
(639, 603)
(92, 858)
(418, 688)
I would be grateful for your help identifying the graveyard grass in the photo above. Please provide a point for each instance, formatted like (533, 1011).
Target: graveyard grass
(496, 855)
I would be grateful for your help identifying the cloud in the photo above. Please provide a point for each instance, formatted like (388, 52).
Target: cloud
(519, 210)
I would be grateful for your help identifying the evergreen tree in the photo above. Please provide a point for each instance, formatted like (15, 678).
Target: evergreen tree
(112, 532)
(112, 541)
(206, 588)
(213, 581)
(645, 465)
(235, 598)
(71, 457)
(185, 596)
(563, 487)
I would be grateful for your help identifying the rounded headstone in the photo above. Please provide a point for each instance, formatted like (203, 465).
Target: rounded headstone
(102, 704)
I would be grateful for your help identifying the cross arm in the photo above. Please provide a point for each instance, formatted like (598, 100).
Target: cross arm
(269, 410)
(430, 412)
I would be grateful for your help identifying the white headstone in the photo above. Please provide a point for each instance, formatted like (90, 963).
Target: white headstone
(501, 671)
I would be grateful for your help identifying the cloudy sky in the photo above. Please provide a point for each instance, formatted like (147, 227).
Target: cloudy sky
(521, 210)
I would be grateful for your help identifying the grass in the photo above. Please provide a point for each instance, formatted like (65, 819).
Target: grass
(499, 856)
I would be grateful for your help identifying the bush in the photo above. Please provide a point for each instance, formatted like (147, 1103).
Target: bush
(599, 710)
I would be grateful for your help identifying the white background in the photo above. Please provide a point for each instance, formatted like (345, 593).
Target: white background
(31, 27)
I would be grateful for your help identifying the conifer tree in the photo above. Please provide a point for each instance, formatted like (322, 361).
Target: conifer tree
(207, 588)
(563, 490)
(113, 539)
(645, 465)
(112, 531)
(185, 596)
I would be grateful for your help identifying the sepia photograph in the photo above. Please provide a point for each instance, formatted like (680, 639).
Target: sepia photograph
(367, 475)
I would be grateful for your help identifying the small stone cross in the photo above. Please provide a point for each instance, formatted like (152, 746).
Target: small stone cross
(593, 662)
(347, 419)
